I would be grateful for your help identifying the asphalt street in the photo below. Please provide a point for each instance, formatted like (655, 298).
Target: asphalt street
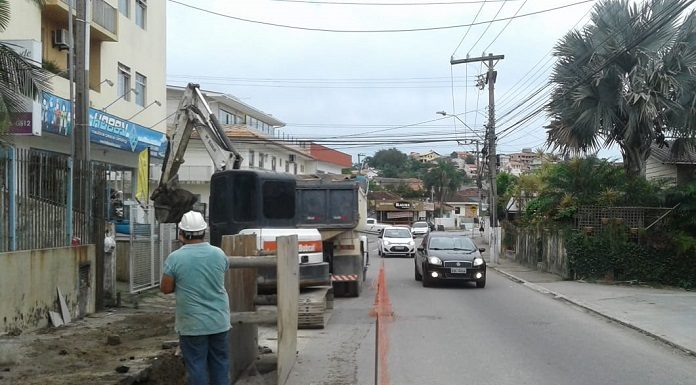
(502, 334)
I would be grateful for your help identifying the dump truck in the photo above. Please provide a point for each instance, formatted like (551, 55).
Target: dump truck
(337, 207)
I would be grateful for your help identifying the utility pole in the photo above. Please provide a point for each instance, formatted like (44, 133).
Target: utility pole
(491, 75)
(81, 124)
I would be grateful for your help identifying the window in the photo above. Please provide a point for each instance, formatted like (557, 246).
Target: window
(261, 156)
(124, 81)
(124, 7)
(140, 89)
(273, 163)
(141, 13)
(287, 166)
(302, 169)
(226, 117)
(251, 159)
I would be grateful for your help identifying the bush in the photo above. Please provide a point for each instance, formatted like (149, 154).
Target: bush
(669, 260)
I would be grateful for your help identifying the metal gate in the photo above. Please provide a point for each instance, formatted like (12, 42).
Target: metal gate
(150, 243)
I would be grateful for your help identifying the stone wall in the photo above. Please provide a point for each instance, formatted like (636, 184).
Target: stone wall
(543, 249)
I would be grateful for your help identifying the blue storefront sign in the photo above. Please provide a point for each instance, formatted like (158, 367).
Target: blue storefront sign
(105, 128)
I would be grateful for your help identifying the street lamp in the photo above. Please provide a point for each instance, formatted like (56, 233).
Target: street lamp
(478, 169)
(119, 98)
(137, 113)
(443, 113)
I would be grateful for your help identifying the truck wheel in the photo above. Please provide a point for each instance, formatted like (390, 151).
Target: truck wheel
(416, 274)
(353, 288)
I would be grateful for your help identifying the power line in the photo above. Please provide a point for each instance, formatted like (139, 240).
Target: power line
(469, 29)
(318, 86)
(388, 4)
(327, 80)
(667, 17)
(505, 27)
(487, 26)
(374, 30)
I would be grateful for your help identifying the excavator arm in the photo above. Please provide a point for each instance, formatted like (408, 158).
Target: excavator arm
(170, 201)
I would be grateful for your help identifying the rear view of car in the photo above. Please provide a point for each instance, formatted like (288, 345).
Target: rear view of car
(396, 241)
(420, 228)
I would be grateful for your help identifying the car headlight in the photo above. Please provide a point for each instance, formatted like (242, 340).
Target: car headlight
(386, 243)
(435, 261)
(478, 261)
(411, 243)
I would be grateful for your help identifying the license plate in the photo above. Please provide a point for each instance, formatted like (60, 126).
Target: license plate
(458, 270)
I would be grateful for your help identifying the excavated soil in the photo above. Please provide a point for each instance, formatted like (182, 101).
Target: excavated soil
(125, 345)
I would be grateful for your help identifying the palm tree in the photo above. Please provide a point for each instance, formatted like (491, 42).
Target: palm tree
(19, 77)
(444, 178)
(625, 79)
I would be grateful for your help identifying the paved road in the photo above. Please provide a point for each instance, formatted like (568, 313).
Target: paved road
(503, 334)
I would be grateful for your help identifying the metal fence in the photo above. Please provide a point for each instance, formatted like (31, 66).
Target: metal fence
(150, 243)
(37, 212)
(599, 217)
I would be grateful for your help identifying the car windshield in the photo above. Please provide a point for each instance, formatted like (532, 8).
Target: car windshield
(397, 233)
(452, 243)
(420, 224)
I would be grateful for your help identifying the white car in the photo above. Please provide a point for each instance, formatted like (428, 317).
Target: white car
(420, 228)
(372, 225)
(396, 241)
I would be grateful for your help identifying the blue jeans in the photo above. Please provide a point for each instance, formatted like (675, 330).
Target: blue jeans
(207, 358)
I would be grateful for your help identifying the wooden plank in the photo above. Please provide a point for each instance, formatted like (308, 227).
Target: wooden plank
(64, 311)
(241, 290)
(251, 262)
(288, 294)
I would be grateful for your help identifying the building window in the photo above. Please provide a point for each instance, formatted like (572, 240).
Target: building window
(273, 163)
(124, 81)
(287, 166)
(124, 7)
(261, 156)
(251, 159)
(141, 13)
(226, 117)
(140, 89)
(302, 169)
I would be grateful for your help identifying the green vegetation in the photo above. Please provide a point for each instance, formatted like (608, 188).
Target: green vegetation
(441, 177)
(626, 79)
(19, 77)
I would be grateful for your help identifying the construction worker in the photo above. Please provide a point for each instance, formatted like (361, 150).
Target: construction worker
(196, 274)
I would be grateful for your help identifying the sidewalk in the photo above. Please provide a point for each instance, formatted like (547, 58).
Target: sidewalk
(668, 315)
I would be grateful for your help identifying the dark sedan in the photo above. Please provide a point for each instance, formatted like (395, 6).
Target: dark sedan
(449, 256)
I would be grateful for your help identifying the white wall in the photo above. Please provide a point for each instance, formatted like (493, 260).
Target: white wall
(656, 170)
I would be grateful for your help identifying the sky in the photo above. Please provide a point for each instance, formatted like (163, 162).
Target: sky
(359, 92)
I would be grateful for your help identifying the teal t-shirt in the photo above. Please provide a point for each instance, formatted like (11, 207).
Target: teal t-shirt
(202, 306)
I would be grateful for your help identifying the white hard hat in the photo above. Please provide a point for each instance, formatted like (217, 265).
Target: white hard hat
(192, 221)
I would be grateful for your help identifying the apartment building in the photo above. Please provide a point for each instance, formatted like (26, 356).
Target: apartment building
(127, 72)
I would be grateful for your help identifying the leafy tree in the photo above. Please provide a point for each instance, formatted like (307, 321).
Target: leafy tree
(454, 155)
(626, 79)
(388, 159)
(19, 77)
(470, 159)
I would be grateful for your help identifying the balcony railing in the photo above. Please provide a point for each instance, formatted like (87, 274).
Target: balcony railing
(190, 174)
(103, 14)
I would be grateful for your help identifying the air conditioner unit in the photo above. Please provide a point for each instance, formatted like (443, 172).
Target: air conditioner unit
(291, 158)
(61, 39)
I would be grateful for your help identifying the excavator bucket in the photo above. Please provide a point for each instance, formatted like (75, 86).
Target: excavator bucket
(172, 203)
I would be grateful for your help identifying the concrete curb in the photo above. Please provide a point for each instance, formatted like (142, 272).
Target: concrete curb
(628, 324)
